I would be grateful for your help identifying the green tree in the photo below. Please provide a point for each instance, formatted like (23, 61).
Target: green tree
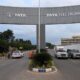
(7, 35)
(49, 45)
(3, 46)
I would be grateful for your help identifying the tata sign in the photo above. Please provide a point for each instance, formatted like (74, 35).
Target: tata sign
(17, 15)
(63, 14)
(29, 16)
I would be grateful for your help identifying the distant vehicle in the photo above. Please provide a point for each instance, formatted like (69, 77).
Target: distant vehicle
(17, 54)
(59, 48)
(61, 54)
(74, 53)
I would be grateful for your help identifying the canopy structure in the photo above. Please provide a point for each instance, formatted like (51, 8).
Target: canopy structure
(48, 15)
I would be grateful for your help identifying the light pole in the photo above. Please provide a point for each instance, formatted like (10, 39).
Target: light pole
(39, 21)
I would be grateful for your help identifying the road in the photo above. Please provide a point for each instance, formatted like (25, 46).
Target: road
(17, 69)
(10, 69)
(68, 68)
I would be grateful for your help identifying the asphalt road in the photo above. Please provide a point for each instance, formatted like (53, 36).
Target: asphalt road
(68, 68)
(10, 69)
(17, 69)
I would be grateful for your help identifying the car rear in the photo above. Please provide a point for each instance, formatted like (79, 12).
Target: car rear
(16, 54)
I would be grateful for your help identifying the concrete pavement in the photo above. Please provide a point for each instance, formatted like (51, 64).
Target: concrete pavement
(17, 69)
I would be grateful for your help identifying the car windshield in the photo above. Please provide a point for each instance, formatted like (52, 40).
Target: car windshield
(61, 51)
(16, 51)
(75, 51)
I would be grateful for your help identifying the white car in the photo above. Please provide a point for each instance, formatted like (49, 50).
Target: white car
(16, 54)
(61, 54)
(75, 53)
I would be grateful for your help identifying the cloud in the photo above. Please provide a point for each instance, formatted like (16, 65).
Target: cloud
(18, 3)
(53, 32)
(55, 3)
(44, 3)
(26, 32)
(18, 29)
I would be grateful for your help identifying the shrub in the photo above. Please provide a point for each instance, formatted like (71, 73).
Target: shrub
(42, 60)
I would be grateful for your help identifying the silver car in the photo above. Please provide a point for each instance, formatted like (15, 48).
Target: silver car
(75, 53)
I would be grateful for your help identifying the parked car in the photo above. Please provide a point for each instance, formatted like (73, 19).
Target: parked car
(61, 54)
(74, 53)
(16, 54)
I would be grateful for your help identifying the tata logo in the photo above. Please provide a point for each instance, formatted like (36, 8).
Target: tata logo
(63, 14)
(56, 14)
(51, 14)
(16, 15)
(20, 15)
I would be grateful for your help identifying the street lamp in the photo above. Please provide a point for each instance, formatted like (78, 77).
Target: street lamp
(39, 27)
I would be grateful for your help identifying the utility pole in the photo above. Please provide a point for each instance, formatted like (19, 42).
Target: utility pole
(39, 19)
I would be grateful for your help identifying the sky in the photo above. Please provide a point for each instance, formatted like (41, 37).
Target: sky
(54, 33)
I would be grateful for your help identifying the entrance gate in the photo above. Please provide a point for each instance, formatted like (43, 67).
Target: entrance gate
(48, 15)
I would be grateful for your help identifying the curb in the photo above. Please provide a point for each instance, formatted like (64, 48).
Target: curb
(44, 70)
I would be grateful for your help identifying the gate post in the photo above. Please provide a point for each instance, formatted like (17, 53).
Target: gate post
(41, 38)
